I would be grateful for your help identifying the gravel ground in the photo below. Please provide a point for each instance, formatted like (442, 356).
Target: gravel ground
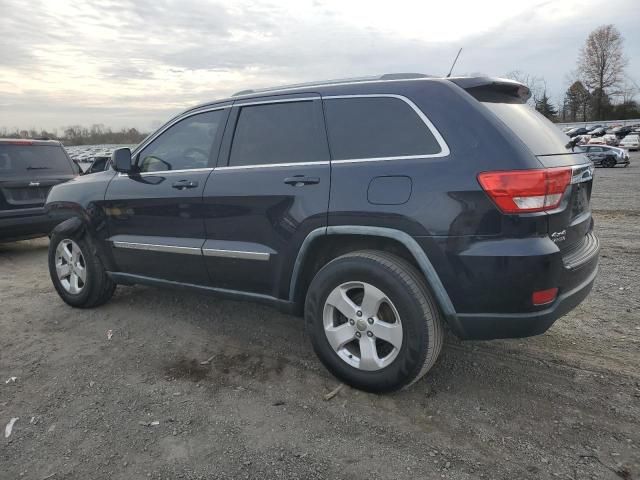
(565, 404)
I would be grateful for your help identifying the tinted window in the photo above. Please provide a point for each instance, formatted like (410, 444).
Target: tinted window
(595, 149)
(185, 145)
(278, 133)
(535, 130)
(33, 159)
(376, 127)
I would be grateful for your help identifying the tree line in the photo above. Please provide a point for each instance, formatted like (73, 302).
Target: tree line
(77, 135)
(599, 88)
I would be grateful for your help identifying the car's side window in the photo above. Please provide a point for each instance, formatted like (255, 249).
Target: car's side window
(183, 146)
(596, 149)
(273, 133)
(376, 127)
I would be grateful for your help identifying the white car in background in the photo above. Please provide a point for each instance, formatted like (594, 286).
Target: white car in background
(630, 142)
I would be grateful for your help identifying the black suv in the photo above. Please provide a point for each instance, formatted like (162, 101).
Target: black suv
(28, 169)
(382, 210)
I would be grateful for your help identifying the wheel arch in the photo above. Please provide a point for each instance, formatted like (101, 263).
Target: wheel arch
(360, 237)
(78, 226)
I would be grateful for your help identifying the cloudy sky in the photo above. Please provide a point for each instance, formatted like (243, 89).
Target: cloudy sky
(135, 63)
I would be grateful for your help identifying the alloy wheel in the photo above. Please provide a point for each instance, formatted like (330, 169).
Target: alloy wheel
(71, 267)
(362, 326)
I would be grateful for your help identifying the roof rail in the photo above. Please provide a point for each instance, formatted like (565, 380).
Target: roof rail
(386, 76)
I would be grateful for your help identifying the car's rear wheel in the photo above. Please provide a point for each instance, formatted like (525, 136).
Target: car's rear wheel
(373, 322)
(76, 271)
(609, 162)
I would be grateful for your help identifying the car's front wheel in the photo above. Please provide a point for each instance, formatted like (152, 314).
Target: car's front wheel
(373, 322)
(609, 162)
(76, 271)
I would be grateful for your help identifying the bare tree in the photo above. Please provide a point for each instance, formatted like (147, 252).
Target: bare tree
(536, 85)
(601, 63)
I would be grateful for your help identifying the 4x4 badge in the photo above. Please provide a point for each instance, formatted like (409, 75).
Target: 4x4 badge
(559, 236)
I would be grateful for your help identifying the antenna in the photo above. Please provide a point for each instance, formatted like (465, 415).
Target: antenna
(454, 63)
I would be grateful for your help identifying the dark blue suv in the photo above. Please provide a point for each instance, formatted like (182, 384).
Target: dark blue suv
(381, 209)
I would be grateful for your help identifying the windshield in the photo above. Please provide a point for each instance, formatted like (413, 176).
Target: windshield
(22, 160)
(536, 131)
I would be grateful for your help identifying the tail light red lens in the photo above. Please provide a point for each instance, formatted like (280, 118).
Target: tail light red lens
(522, 191)
(543, 297)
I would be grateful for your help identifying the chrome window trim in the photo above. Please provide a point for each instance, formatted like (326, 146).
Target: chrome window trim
(273, 165)
(158, 248)
(241, 254)
(164, 172)
(444, 148)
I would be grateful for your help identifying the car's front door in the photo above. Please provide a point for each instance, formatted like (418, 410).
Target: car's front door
(155, 215)
(270, 189)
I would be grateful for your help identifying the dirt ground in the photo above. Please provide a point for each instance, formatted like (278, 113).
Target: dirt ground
(562, 405)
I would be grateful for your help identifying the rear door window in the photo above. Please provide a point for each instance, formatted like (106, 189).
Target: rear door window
(274, 133)
(376, 127)
(33, 160)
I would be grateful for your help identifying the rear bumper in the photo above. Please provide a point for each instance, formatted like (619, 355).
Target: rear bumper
(490, 282)
(488, 326)
(30, 225)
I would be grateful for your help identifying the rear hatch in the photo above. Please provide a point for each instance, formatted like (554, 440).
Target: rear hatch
(28, 170)
(570, 223)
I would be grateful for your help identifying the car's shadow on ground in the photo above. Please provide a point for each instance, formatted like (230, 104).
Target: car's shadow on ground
(239, 331)
(23, 247)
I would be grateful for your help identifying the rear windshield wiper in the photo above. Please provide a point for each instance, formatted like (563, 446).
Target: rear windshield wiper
(37, 168)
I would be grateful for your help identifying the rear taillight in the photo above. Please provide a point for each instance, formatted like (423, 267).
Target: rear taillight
(522, 191)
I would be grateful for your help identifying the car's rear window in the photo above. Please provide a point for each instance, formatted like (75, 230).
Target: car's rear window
(19, 160)
(534, 129)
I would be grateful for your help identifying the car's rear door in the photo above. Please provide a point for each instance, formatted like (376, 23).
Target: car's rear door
(270, 189)
(155, 215)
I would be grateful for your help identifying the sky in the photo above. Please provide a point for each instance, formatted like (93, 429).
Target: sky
(135, 63)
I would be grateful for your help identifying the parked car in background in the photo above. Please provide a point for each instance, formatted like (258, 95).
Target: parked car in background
(605, 156)
(631, 142)
(591, 128)
(611, 139)
(318, 199)
(621, 132)
(596, 141)
(597, 132)
(577, 131)
(99, 164)
(28, 170)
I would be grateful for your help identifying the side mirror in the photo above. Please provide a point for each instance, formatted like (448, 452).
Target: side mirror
(121, 160)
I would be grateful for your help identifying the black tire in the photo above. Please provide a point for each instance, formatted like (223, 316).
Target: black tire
(98, 288)
(609, 162)
(422, 325)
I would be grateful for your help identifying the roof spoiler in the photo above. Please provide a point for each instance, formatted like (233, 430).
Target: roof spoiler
(496, 90)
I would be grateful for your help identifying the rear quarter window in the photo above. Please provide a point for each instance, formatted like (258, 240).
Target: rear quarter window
(376, 127)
